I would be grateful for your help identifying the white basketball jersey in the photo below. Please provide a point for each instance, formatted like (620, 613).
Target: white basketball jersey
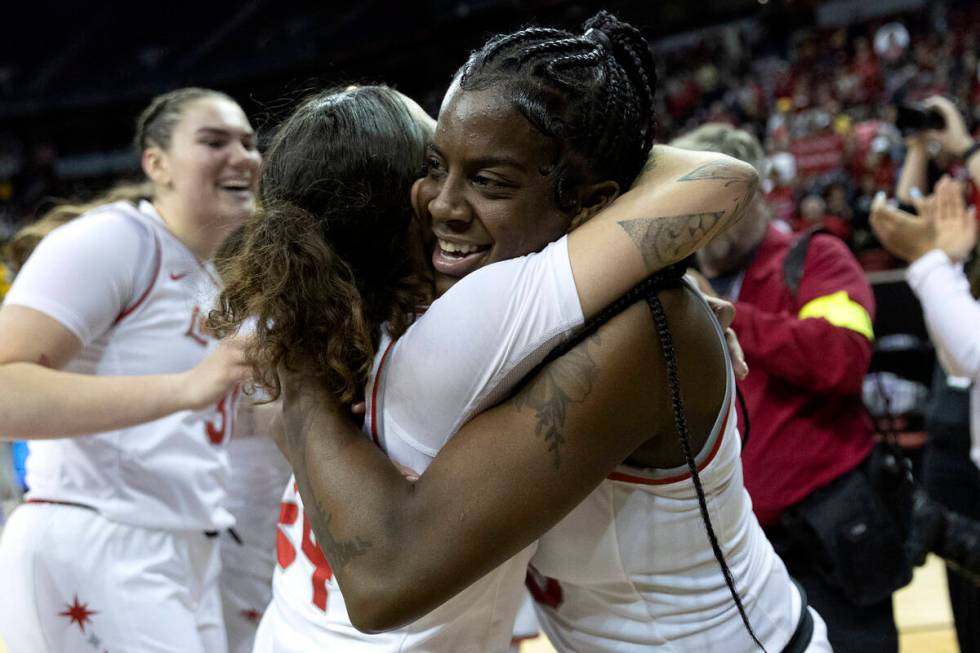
(467, 350)
(136, 297)
(631, 567)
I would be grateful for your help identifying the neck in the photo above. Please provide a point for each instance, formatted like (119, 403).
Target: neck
(202, 240)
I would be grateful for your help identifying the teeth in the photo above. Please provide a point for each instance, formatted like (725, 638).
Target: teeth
(457, 248)
(243, 185)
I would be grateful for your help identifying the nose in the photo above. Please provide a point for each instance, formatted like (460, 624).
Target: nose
(243, 157)
(449, 207)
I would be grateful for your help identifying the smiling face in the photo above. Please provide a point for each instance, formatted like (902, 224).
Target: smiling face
(210, 169)
(488, 193)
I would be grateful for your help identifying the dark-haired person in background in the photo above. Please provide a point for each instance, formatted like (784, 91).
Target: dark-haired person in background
(537, 135)
(808, 350)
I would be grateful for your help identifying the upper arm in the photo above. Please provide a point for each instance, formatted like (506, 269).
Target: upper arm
(517, 469)
(674, 208)
(81, 277)
(33, 337)
(835, 288)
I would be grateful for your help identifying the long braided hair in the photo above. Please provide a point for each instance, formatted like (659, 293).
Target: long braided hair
(592, 95)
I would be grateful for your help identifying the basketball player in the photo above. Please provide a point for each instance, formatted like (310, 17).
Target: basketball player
(494, 190)
(107, 367)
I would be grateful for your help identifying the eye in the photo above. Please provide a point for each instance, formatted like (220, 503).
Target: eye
(433, 167)
(214, 144)
(488, 182)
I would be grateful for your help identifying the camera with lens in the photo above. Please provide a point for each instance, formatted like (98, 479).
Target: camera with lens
(912, 119)
(950, 535)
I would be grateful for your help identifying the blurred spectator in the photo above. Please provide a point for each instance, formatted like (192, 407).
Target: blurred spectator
(814, 214)
(935, 244)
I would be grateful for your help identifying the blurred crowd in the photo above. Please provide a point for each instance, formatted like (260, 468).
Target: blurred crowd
(825, 106)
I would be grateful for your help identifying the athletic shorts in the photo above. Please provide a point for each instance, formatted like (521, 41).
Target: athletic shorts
(75, 582)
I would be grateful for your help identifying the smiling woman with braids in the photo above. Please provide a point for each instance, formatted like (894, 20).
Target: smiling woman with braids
(538, 135)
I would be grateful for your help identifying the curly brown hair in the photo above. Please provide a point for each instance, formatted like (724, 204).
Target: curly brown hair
(330, 256)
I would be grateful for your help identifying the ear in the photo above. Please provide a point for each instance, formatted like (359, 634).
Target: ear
(416, 200)
(156, 166)
(592, 198)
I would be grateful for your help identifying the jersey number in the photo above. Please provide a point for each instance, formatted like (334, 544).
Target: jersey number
(217, 429)
(286, 552)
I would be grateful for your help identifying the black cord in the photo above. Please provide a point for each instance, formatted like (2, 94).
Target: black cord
(745, 416)
(680, 422)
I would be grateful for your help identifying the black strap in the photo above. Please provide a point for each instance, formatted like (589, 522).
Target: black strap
(796, 259)
(803, 634)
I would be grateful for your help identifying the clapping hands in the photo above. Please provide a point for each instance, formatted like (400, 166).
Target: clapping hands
(943, 223)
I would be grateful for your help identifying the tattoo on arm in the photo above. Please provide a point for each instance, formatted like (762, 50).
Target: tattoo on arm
(668, 239)
(299, 423)
(339, 553)
(565, 380)
(732, 176)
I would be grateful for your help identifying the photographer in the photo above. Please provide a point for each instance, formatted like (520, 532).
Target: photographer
(936, 244)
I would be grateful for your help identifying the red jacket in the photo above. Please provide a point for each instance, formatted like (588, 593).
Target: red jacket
(803, 391)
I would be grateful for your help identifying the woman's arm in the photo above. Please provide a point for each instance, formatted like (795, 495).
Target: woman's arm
(913, 173)
(680, 202)
(40, 401)
(943, 234)
(399, 549)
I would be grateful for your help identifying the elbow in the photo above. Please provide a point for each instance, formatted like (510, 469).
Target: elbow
(385, 607)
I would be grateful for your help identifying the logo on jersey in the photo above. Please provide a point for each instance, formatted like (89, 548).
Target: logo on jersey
(177, 276)
(78, 613)
(195, 330)
(251, 615)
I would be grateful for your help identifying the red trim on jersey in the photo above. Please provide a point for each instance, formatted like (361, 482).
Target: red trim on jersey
(374, 395)
(550, 595)
(53, 502)
(158, 256)
(642, 480)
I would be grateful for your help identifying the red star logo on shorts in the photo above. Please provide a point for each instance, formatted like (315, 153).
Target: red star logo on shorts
(252, 615)
(78, 613)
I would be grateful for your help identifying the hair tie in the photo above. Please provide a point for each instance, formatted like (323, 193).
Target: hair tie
(599, 37)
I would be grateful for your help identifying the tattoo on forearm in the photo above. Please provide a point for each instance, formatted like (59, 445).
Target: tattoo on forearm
(338, 553)
(666, 240)
(731, 175)
(567, 380)
(721, 170)
(299, 420)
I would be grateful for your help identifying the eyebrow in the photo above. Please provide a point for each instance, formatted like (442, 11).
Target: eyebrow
(219, 131)
(487, 161)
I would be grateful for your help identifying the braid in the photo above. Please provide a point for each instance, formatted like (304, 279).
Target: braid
(589, 92)
(499, 44)
(680, 423)
(559, 45)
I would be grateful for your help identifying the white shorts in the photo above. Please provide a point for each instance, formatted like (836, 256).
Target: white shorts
(246, 589)
(75, 582)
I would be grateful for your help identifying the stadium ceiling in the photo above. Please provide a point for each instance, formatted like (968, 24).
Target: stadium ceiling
(64, 55)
